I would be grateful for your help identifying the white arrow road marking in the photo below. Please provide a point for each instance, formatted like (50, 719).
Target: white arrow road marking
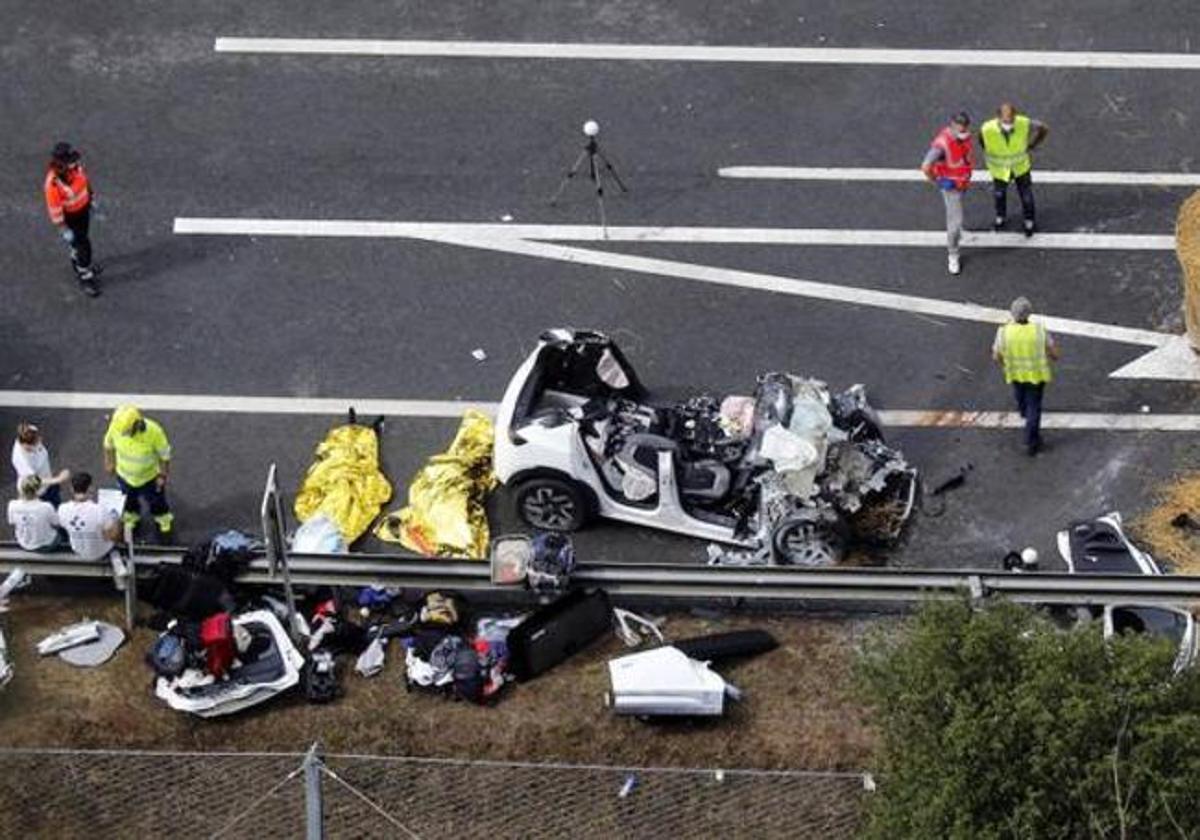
(979, 176)
(1084, 60)
(453, 409)
(508, 239)
(693, 235)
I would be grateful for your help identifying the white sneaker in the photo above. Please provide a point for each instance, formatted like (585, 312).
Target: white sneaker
(952, 264)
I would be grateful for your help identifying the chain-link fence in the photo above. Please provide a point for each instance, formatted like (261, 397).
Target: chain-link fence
(100, 794)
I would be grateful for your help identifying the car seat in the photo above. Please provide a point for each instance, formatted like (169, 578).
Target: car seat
(704, 480)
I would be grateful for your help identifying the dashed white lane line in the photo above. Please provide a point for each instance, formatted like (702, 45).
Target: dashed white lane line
(452, 409)
(693, 235)
(980, 176)
(1083, 60)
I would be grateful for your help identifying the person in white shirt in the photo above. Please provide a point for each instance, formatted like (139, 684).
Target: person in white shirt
(34, 520)
(30, 457)
(93, 531)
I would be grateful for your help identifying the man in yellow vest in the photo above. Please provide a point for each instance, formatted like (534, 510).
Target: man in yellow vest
(136, 450)
(1007, 140)
(1026, 349)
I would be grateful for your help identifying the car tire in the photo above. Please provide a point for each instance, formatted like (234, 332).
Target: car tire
(552, 504)
(802, 541)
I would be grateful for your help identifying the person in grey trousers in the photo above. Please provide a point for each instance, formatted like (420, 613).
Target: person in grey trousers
(948, 165)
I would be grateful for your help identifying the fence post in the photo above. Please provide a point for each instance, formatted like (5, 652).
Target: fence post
(313, 810)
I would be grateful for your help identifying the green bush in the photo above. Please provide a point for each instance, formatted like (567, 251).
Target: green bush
(994, 722)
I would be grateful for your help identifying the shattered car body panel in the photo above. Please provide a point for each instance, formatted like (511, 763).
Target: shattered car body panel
(270, 667)
(787, 475)
(1100, 547)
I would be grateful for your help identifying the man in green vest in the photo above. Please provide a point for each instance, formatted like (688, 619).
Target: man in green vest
(1007, 140)
(136, 450)
(1025, 349)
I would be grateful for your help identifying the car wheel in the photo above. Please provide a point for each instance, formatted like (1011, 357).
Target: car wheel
(552, 504)
(804, 542)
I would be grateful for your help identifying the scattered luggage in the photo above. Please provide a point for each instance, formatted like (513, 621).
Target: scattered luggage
(557, 631)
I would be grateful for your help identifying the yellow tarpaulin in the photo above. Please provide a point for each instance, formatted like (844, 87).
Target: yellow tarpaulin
(445, 515)
(345, 482)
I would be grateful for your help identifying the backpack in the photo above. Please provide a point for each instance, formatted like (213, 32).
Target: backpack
(167, 656)
(552, 561)
(320, 678)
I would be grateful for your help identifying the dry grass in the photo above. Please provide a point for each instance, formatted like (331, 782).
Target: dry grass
(798, 712)
(1187, 248)
(1179, 546)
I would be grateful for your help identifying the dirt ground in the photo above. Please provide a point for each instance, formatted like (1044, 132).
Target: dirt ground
(798, 712)
(1178, 545)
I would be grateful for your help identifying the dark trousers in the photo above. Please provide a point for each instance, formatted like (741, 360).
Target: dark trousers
(1024, 190)
(52, 494)
(153, 495)
(81, 248)
(1029, 404)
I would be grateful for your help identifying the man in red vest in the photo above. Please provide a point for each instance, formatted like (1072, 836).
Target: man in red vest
(69, 202)
(947, 164)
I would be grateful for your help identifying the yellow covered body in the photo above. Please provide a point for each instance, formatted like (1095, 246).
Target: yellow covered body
(446, 514)
(345, 482)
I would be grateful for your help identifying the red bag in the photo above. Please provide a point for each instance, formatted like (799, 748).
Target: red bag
(216, 636)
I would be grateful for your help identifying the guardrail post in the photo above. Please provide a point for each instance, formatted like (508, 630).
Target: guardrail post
(275, 545)
(130, 582)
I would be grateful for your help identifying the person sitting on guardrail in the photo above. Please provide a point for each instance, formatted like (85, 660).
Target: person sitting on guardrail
(92, 530)
(34, 520)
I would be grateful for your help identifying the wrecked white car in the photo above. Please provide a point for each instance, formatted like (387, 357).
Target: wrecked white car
(788, 475)
(1100, 547)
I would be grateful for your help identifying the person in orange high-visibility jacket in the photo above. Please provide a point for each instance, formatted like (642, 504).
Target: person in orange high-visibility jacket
(69, 202)
(948, 165)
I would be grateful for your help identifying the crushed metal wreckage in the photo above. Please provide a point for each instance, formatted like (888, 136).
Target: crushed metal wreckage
(789, 475)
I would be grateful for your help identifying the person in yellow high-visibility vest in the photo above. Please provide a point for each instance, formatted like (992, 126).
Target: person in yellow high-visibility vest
(1026, 349)
(1007, 139)
(137, 452)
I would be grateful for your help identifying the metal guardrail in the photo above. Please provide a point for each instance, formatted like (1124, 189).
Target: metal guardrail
(277, 566)
(667, 582)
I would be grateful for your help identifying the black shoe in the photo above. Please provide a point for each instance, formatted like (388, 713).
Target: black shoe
(89, 287)
(1030, 227)
(1033, 449)
(998, 223)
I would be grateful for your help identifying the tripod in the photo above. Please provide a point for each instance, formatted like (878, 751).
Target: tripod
(591, 153)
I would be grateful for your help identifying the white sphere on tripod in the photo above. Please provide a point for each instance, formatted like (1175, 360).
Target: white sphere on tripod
(591, 128)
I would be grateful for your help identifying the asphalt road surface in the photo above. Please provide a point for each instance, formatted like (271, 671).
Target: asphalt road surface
(173, 129)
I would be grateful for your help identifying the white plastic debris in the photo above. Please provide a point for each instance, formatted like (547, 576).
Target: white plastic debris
(478, 354)
(70, 636)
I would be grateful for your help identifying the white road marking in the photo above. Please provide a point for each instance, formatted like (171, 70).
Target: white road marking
(693, 235)
(238, 405)
(1083, 60)
(980, 176)
(508, 239)
(453, 409)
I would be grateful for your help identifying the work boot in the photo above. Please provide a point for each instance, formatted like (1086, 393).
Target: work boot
(952, 264)
(163, 527)
(997, 223)
(1030, 227)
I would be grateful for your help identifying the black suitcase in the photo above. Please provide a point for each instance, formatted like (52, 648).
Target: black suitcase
(558, 631)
